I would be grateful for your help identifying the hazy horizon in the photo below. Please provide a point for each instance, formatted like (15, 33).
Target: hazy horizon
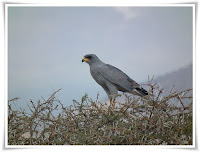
(46, 46)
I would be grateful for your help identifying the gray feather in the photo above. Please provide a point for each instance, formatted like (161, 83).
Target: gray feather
(111, 78)
(116, 76)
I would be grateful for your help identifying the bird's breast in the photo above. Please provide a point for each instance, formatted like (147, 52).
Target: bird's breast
(97, 76)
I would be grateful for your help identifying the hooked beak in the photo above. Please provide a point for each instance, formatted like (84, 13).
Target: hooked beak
(85, 59)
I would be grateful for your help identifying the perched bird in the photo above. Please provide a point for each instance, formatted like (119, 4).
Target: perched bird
(111, 78)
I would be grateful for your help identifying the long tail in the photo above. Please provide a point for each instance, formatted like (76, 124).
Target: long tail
(141, 91)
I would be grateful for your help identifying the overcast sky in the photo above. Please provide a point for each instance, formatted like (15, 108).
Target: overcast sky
(46, 46)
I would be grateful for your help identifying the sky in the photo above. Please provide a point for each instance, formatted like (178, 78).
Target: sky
(46, 46)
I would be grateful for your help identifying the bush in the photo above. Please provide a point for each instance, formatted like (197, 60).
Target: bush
(152, 120)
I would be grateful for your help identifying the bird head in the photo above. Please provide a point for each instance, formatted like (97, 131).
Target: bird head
(90, 58)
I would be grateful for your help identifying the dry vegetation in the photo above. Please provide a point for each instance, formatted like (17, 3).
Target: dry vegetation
(153, 120)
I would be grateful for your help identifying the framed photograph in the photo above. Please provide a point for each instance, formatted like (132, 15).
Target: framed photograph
(100, 75)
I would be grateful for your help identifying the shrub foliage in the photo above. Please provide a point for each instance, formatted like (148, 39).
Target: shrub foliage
(153, 120)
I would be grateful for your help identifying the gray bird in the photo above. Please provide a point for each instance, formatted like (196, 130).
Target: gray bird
(111, 78)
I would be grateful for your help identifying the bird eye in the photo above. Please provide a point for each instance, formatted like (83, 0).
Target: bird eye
(88, 56)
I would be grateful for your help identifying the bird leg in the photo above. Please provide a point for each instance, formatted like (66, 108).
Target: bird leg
(112, 102)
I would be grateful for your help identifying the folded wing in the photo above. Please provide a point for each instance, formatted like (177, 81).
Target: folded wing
(117, 77)
(121, 80)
